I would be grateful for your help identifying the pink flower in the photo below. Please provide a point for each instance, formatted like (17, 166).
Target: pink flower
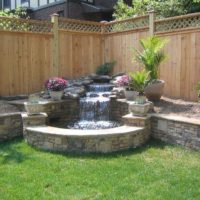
(56, 84)
(123, 81)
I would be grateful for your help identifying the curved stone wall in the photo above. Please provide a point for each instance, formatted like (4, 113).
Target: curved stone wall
(86, 141)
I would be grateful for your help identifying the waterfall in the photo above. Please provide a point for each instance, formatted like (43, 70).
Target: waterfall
(95, 108)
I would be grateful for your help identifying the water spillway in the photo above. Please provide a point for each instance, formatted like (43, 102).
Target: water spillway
(95, 109)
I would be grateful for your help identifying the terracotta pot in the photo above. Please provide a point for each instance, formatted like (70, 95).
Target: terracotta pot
(56, 95)
(139, 109)
(130, 95)
(154, 91)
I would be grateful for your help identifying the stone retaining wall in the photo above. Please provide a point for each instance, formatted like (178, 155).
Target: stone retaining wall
(92, 141)
(176, 130)
(118, 108)
(11, 126)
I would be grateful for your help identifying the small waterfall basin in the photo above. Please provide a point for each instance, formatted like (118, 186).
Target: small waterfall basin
(94, 110)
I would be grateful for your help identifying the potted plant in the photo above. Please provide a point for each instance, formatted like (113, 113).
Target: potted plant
(126, 82)
(151, 57)
(140, 106)
(56, 86)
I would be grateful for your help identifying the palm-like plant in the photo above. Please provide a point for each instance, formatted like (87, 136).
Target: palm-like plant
(140, 80)
(152, 55)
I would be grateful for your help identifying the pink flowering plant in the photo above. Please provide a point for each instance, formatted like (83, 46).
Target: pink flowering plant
(125, 81)
(56, 84)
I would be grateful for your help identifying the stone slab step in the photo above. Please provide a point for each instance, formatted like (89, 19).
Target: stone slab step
(132, 120)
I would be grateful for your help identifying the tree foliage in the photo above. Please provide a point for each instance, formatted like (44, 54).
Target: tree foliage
(17, 13)
(163, 8)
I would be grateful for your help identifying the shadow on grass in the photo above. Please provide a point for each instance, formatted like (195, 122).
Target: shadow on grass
(11, 152)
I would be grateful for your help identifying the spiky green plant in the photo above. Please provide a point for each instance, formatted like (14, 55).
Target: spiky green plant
(106, 68)
(152, 55)
(140, 80)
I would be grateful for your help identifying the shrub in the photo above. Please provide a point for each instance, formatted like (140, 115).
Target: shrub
(106, 68)
(56, 84)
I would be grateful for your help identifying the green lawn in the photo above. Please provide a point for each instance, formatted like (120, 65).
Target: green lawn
(157, 171)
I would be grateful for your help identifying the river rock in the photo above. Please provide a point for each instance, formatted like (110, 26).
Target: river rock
(80, 91)
(119, 92)
(87, 82)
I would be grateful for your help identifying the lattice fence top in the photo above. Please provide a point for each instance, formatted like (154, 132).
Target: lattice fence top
(13, 24)
(79, 26)
(129, 24)
(180, 22)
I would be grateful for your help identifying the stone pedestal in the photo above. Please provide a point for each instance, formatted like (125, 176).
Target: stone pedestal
(33, 120)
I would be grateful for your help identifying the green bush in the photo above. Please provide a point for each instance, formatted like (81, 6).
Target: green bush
(106, 68)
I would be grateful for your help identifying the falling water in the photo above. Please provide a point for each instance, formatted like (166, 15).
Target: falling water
(95, 109)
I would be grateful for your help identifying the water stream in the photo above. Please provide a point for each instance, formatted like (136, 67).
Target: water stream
(95, 109)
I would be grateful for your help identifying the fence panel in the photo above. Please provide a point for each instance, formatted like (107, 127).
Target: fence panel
(79, 55)
(27, 51)
(25, 61)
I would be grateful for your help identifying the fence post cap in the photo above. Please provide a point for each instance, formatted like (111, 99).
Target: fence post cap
(151, 11)
(103, 22)
(55, 15)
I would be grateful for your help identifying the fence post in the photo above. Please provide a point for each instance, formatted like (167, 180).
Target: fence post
(152, 17)
(103, 31)
(55, 69)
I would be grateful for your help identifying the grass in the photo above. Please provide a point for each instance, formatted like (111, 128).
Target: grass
(154, 172)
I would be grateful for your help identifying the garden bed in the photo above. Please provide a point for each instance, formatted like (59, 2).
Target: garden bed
(177, 107)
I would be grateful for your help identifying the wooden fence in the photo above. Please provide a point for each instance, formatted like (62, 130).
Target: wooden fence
(32, 51)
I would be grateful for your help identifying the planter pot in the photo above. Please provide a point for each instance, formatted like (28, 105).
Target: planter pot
(154, 91)
(140, 99)
(130, 95)
(139, 109)
(56, 95)
(33, 108)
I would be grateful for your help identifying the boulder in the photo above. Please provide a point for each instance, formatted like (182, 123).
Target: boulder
(80, 91)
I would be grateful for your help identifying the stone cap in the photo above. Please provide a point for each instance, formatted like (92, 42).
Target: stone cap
(177, 118)
(130, 116)
(39, 115)
(91, 133)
